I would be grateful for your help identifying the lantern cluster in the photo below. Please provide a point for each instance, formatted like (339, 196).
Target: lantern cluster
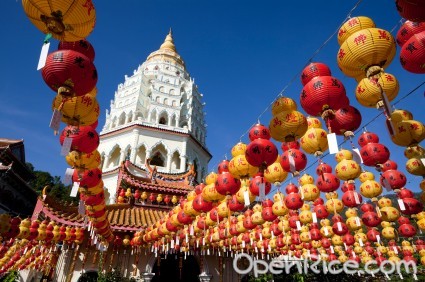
(411, 39)
(324, 95)
(71, 73)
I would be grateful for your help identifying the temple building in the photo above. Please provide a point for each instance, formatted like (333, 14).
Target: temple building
(156, 119)
(16, 195)
(153, 153)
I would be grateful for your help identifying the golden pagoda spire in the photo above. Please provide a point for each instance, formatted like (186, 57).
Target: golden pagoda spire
(168, 42)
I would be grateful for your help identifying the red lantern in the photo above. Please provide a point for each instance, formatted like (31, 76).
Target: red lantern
(407, 230)
(345, 119)
(327, 182)
(322, 93)
(234, 205)
(226, 184)
(256, 182)
(351, 199)
(367, 137)
(198, 188)
(84, 138)
(261, 153)
(393, 179)
(259, 131)
(322, 168)
(407, 30)
(290, 145)
(320, 209)
(412, 54)
(223, 166)
(267, 214)
(184, 218)
(299, 160)
(412, 10)
(247, 222)
(326, 243)
(291, 188)
(412, 206)
(200, 205)
(82, 46)
(88, 177)
(374, 154)
(313, 70)
(293, 201)
(372, 235)
(389, 165)
(371, 219)
(348, 239)
(70, 69)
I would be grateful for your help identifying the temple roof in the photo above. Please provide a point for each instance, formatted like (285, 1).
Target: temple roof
(122, 217)
(167, 183)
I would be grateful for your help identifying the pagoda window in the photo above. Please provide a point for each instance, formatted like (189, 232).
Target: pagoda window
(174, 103)
(163, 119)
(165, 101)
(171, 92)
(157, 99)
(153, 117)
(114, 160)
(175, 161)
(173, 121)
(121, 120)
(141, 155)
(158, 160)
(161, 89)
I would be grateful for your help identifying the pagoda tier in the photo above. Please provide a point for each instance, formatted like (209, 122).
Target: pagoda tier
(152, 188)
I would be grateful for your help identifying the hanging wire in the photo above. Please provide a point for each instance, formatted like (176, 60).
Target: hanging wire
(356, 132)
(310, 59)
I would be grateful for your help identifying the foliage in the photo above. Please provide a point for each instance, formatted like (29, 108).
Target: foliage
(12, 276)
(58, 190)
(114, 276)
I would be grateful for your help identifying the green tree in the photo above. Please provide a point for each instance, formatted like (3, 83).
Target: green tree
(58, 190)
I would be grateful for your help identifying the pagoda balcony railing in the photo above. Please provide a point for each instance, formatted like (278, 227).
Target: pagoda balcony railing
(148, 124)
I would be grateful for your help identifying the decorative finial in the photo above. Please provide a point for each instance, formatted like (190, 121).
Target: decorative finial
(168, 42)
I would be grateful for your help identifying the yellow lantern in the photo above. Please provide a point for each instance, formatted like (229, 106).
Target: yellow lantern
(369, 93)
(414, 152)
(333, 204)
(400, 115)
(240, 168)
(388, 232)
(337, 240)
(314, 141)
(309, 192)
(65, 20)
(279, 208)
(238, 149)
(305, 214)
(366, 175)
(209, 193)
(159, 198)
(313, 122)
(347, 170)
(371, 189)
(257, 218)
(343, 155)
(222, 209)
(306, 179)
(283, 104)
(365, 48)
(275, 174)
(81, 110)
(288, 126)
(353, 25)
(415, 166)
(128, 193)
(240, 195)
(211, 178)
(408, 132)
(82, 160)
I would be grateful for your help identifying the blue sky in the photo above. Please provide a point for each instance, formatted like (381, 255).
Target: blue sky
(241, 54)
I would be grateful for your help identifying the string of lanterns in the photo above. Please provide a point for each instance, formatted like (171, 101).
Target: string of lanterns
(220, 216)
(71, 73)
